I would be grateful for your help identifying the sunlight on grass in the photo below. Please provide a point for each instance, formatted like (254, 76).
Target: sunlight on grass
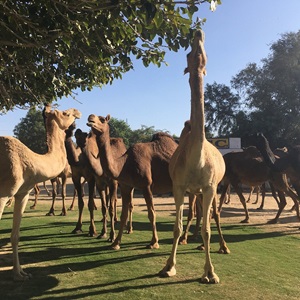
(262, 264)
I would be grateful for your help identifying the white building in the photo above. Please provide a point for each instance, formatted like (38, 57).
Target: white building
(226, 145)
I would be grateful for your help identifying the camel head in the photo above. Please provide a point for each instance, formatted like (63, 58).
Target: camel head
(98, 124)
(81, 137)
(70, 129)
(64, 119)
(196, 59)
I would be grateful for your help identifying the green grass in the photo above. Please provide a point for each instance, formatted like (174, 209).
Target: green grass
(262, 264)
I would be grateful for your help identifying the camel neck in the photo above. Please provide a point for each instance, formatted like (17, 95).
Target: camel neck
(197, 105)
(112, 164)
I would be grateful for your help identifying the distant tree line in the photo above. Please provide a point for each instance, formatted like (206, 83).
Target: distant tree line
(262, 97)
(31, 131)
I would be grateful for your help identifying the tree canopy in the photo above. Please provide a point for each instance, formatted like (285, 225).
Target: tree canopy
(49, 48)
(269, 95)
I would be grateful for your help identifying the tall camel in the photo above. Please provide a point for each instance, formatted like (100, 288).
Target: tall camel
(21, 169)
(143, 166)
(196, 166)
(106, 186)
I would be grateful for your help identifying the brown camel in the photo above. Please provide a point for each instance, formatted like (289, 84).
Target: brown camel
(82, 169)
(287, 163)
(21, 169)
(107, 187)
(250, 168)
(144, 166)
(196, 166)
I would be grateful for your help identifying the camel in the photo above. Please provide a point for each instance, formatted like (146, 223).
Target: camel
(250, 168)
(21, 169)
(107, 187)
(196, 166)
(287, 163)
(143, 166)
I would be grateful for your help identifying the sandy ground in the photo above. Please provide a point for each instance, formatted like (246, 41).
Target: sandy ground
(232, 213)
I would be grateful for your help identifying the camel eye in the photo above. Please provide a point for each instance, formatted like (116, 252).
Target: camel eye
(102, 120)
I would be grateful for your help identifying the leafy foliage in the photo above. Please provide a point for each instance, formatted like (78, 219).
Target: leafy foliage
(31, 131)
(267, 98)
(51, 47)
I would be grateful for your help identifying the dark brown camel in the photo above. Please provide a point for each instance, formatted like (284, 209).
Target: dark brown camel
(144, 166)
(286, 162)
(106, 186)
(82, 169)
(250, 168)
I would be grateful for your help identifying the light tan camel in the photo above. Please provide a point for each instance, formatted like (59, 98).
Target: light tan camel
(107, 187)
(21, 169)
(144, 166)
(196, 166)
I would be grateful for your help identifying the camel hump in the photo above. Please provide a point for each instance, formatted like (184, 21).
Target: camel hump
(160, 135)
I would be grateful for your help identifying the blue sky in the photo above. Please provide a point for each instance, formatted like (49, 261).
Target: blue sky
(237, 33)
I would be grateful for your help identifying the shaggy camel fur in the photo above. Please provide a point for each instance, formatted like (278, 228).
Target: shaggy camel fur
(144, 166)
(196, 166)
(107, 187)
(21, 169)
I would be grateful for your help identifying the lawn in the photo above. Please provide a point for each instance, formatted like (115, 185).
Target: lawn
(264, 262)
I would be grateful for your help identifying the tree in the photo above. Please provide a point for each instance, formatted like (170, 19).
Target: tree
(49, 48)
(221, 106)
(119, 128)
(272, 91)
(142, 135)
(31, 131)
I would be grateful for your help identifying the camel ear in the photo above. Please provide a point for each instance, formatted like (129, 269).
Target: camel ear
(107, 118)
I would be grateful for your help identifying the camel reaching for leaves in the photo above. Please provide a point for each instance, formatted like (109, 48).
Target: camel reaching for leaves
(21, 169)
(196, 166)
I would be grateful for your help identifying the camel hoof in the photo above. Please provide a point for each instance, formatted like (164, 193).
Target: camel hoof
(102, 236)
(50, 214)
(224, 250)
(167, 272)
(212, 278)
(153, 246)
(71, 208)
(32, 207)
(260, 208)
(77, 231)
(201, 247)
(129, 231)
(22, 276)
(63, 214)
(245, 221)
(115, 246)
(273, 221)
(183, 241)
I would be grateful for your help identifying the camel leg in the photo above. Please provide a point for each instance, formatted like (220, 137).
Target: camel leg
(250, 194)
(227, 196)
(209, 194)
(127, 195)
(20, 204)
(223, 247)
(152, 217)
(104, 196)
(282, 204)
(77, 184)
(112, 208)
(63, 195)
(54, 183)
(46, 189)
(73, 200)
(169, 269)
(130, 215)
(198, 215)
(225, 188)
(263, 195)
(295, 198)
(36, 195)
(3, 202)
(184, 238)
(243, 201)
